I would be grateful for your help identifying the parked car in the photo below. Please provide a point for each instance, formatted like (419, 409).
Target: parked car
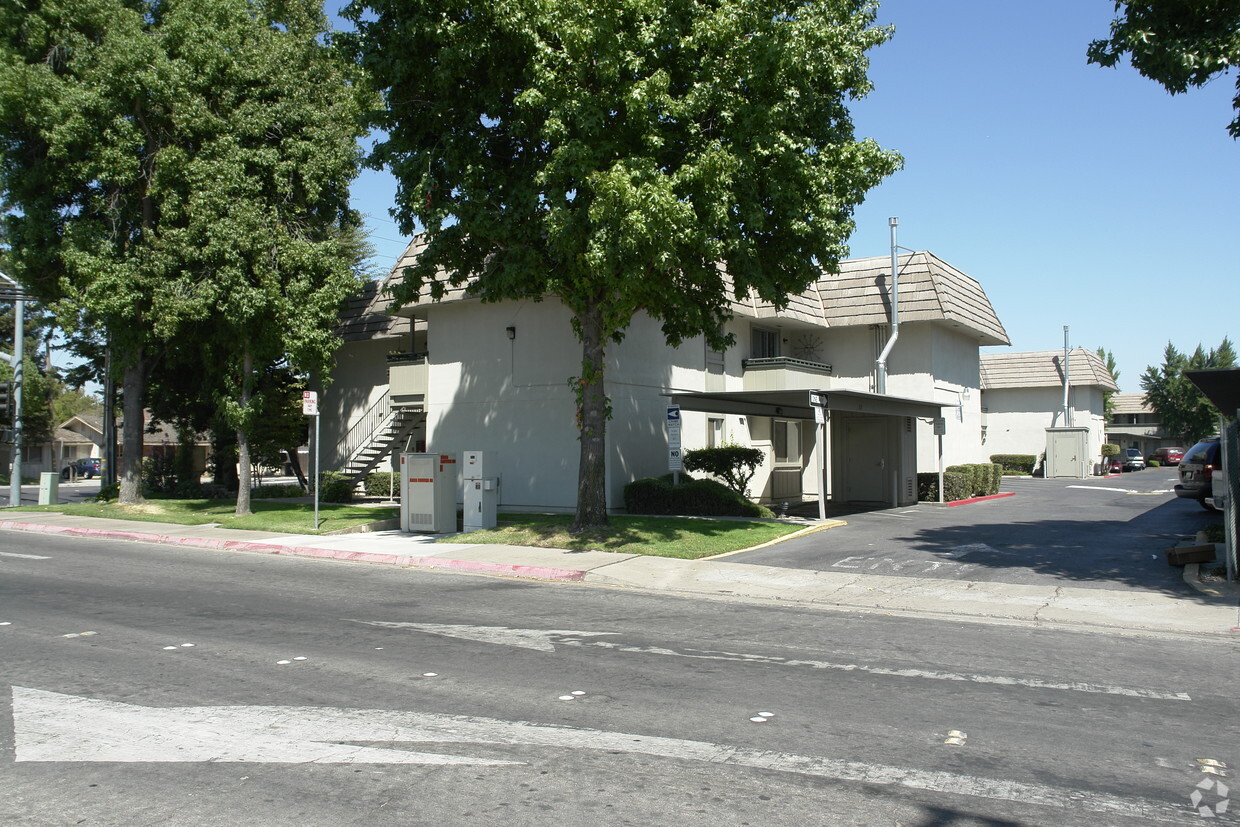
(1197, 472)
(1133, 461)
(1166, 456)
(83, 468)
(1112, 465)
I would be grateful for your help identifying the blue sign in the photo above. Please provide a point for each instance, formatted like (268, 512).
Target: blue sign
(673, 414)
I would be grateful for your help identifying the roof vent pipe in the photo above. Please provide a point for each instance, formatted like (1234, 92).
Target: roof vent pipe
(895, 308)
(1067, 411)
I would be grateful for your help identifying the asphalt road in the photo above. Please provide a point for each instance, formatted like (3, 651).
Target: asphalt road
(148, 685)
(1097, 533)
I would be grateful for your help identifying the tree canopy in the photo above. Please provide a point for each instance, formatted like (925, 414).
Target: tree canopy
(1184, 411)
(1108, 397)
(638, 156)
(177, 171)
(1178, 43)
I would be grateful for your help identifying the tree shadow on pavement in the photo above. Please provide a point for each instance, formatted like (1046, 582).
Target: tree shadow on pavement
(1126, 552)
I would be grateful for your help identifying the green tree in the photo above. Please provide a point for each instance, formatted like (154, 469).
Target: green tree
(173, 164)
(614, 155)
(1184, 411)
(1108, 401)
(1178, 43)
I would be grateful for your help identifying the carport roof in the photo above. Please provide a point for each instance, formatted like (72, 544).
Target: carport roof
(795, 404)
(1221, 386)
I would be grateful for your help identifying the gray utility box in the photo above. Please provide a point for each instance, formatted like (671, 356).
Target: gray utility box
(49, 488)
(428, 493)
(481, 485)
(1067, 453)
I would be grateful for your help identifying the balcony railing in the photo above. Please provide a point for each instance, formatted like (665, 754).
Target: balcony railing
(407, 378)
(782, 373)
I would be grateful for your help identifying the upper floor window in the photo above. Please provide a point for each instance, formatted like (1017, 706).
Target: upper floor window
(765, 343)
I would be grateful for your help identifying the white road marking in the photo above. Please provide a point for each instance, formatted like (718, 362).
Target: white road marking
(49, 726)
(23, 556)
(537, 639)
(1102, 488)
(545, 640)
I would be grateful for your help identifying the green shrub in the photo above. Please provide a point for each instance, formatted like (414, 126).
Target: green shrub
(733, 464)
(1155, 463)
(704, 498)
(1109, 449)
(159, 474)
(982, 478)
(1214, 533)
(1016, 463)
(335, 487)
(108, 493)
(955, 487)
(381, 484)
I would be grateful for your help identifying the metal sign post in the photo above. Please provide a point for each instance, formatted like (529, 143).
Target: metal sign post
(940, 428)
(310, 407)
(675, 460)
(818, 400)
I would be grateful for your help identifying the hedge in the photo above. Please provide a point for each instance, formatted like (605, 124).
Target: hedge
(704, 498)
(381, 484)
(1020, 463)
(983, 478)
(955, 487)
(334, 487)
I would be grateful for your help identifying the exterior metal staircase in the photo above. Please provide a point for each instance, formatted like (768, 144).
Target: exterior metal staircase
(393, 429)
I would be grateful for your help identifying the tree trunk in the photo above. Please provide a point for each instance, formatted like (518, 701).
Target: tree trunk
(131, 439)
(592, 415)
(243, 438)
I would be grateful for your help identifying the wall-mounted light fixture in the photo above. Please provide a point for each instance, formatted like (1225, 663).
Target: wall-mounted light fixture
(512, 333)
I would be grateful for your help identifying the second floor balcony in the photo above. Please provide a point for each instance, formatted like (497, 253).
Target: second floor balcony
(783, 373)
(407, 378)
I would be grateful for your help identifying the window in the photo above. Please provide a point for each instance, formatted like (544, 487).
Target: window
(786, 440)
(714, 432)
(765, 343)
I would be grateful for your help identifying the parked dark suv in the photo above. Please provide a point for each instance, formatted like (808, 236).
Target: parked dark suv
(84, 468)
(1196, 468)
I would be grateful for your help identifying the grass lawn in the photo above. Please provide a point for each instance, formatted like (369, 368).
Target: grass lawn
(269, 515)
(680, 537)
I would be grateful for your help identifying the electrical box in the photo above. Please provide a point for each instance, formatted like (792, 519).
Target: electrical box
(49, 488)
(481, 490)
(428, 492)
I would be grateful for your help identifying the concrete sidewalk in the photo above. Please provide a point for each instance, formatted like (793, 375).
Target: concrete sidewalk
(1211, 612)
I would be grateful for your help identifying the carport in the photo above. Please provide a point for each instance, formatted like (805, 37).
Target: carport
(865, 443)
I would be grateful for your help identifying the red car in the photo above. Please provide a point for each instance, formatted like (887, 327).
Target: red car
(1166, 456)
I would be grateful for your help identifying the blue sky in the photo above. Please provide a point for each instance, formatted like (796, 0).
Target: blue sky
(1076, 195)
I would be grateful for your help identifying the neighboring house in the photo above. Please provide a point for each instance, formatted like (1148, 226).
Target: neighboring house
(459, 374)
(1023, 395)
(1135, 425)
(82, 436)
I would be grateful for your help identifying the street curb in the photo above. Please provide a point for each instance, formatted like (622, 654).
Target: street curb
(470, 566)
(813, 529)
(971, 500)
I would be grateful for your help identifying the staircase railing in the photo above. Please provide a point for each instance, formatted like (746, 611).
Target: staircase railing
(362, 430)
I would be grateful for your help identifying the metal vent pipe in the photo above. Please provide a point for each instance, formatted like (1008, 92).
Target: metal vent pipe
(881, 364)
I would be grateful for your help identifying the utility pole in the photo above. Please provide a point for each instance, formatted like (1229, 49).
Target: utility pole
(10, 290)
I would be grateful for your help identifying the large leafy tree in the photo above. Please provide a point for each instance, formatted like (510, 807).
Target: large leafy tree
(1184, 411)
(176, 164)
(656, 156)
(1178, 43)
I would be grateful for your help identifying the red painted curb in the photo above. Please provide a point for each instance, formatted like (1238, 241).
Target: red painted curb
(982, 499)
(471, 566)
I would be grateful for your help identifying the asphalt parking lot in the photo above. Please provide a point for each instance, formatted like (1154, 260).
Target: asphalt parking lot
(1103, 532)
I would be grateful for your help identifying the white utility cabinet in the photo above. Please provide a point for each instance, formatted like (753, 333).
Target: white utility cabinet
(428, 492)
(481, 490)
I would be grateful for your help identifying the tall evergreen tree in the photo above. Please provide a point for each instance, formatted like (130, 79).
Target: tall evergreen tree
(1184, 411)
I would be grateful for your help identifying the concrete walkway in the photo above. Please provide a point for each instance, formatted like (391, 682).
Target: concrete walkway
(1214, 611)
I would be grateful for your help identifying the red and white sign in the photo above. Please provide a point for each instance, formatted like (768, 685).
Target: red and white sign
(310, 403)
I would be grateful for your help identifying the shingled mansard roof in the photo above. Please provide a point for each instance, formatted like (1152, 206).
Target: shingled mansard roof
(931, 290)
(1044, 369)
(1130, 403)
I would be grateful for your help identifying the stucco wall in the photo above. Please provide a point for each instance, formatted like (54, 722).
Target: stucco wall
(359, 379)
(1017, 418)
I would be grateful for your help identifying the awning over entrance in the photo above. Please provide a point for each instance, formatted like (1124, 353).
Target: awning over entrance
(790, 404)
